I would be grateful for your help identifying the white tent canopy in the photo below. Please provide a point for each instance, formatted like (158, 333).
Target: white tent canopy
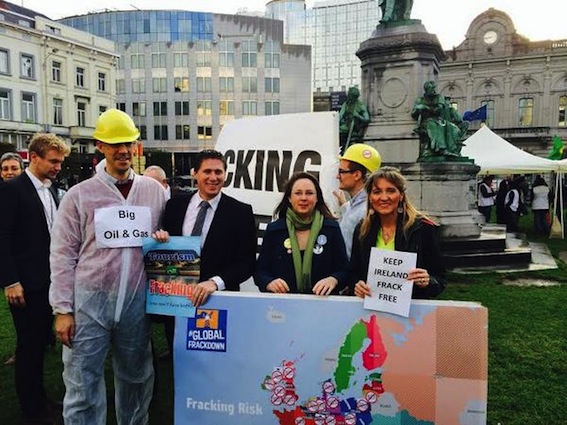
(495, 155)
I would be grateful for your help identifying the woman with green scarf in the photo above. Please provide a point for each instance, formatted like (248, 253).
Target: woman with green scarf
(303, 250)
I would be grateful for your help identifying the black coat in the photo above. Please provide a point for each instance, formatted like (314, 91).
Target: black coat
(229, 250)
(275, 260)
(421, 238)
(24, 235)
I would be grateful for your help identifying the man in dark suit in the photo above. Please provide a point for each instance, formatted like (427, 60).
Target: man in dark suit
(29, 204)
(228, 250)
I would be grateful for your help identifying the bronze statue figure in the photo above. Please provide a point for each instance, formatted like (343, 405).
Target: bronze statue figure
(439, 126)
(395, 10)
(353, 119)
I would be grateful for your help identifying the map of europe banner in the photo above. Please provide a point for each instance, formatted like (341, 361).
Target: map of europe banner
(260, 359)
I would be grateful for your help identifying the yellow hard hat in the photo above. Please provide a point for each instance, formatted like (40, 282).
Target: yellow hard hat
(364, 155)
(114, 126)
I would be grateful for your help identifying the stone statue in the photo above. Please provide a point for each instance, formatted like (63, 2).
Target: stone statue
(353, 119)
(395, 10)
(439, 126)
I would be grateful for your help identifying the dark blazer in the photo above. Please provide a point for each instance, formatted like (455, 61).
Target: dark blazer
(275, 260)
(24, 236)
(421, 238)
(230, 248)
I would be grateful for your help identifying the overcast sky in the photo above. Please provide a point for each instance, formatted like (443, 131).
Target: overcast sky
(449, 19)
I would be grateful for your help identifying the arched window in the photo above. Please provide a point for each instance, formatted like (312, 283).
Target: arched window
(526, 111)
(489, 112)
(562, 108)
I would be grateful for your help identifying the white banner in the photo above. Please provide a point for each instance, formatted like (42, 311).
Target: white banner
(263, 152)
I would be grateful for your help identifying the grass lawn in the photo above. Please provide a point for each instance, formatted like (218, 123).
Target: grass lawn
(527, 349)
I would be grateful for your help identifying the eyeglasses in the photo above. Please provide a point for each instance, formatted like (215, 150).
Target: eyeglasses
(345, 171)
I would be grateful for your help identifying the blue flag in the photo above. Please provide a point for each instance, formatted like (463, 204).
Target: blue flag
(476, 115)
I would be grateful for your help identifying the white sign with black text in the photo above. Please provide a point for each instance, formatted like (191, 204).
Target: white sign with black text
(387, 277)
(123, 226)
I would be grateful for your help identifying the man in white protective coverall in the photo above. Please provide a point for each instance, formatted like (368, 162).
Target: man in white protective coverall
(98, 290)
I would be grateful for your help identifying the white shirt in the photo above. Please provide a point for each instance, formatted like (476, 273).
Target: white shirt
(46, 197)
(191, 217)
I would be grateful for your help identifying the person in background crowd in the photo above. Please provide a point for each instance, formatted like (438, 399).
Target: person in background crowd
(303, 251)
(486, 197)
(540, 206)
(503, 188)
(29, 207)
(11, 165)
(98, 292)
(514, 203)
(393, 223)
(158, 173)
(358, 161)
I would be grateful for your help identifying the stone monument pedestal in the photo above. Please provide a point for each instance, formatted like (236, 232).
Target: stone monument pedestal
(443, 191)
(396, 61)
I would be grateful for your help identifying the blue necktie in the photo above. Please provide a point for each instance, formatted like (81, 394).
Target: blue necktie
(198, 227)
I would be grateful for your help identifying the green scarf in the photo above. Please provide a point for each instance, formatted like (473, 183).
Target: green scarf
(303, 268)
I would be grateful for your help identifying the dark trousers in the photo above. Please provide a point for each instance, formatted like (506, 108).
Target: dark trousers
(485, 211)
(513, 218)
(540, 222)
(33, 324)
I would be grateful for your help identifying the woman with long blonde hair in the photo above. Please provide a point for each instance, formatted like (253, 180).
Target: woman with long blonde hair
(392, 222)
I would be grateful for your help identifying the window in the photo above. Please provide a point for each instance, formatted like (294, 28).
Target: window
(5, 108)
(160, 109)
(160, 132)
(226, 84)
(57, 111)
(249, 54)
(562, 108)
(28, 107)
(180, 60)
(143, 132)
(272, 85)
(121, 106)
(526, 111)
(27, 66)
(81, 114)
(80, 76)
(226, 54)
(272, 55)
(159, 85)
(226, 107)
(101, 109)
(181, 84)
(101, 81)
(204, 107)
(489, 112)
(182, 108)
(158, 60)
(138, 85)
(120, 86)
(203, 53)
(4, 62)
(249, 107)
(56, 71)
(204, 132)
(272, 108)
(203, 84)
(249, 84)
(182, 132)
(139, 109)
(138, 61)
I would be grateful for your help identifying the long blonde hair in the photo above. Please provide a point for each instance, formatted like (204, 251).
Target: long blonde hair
(408, 214)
